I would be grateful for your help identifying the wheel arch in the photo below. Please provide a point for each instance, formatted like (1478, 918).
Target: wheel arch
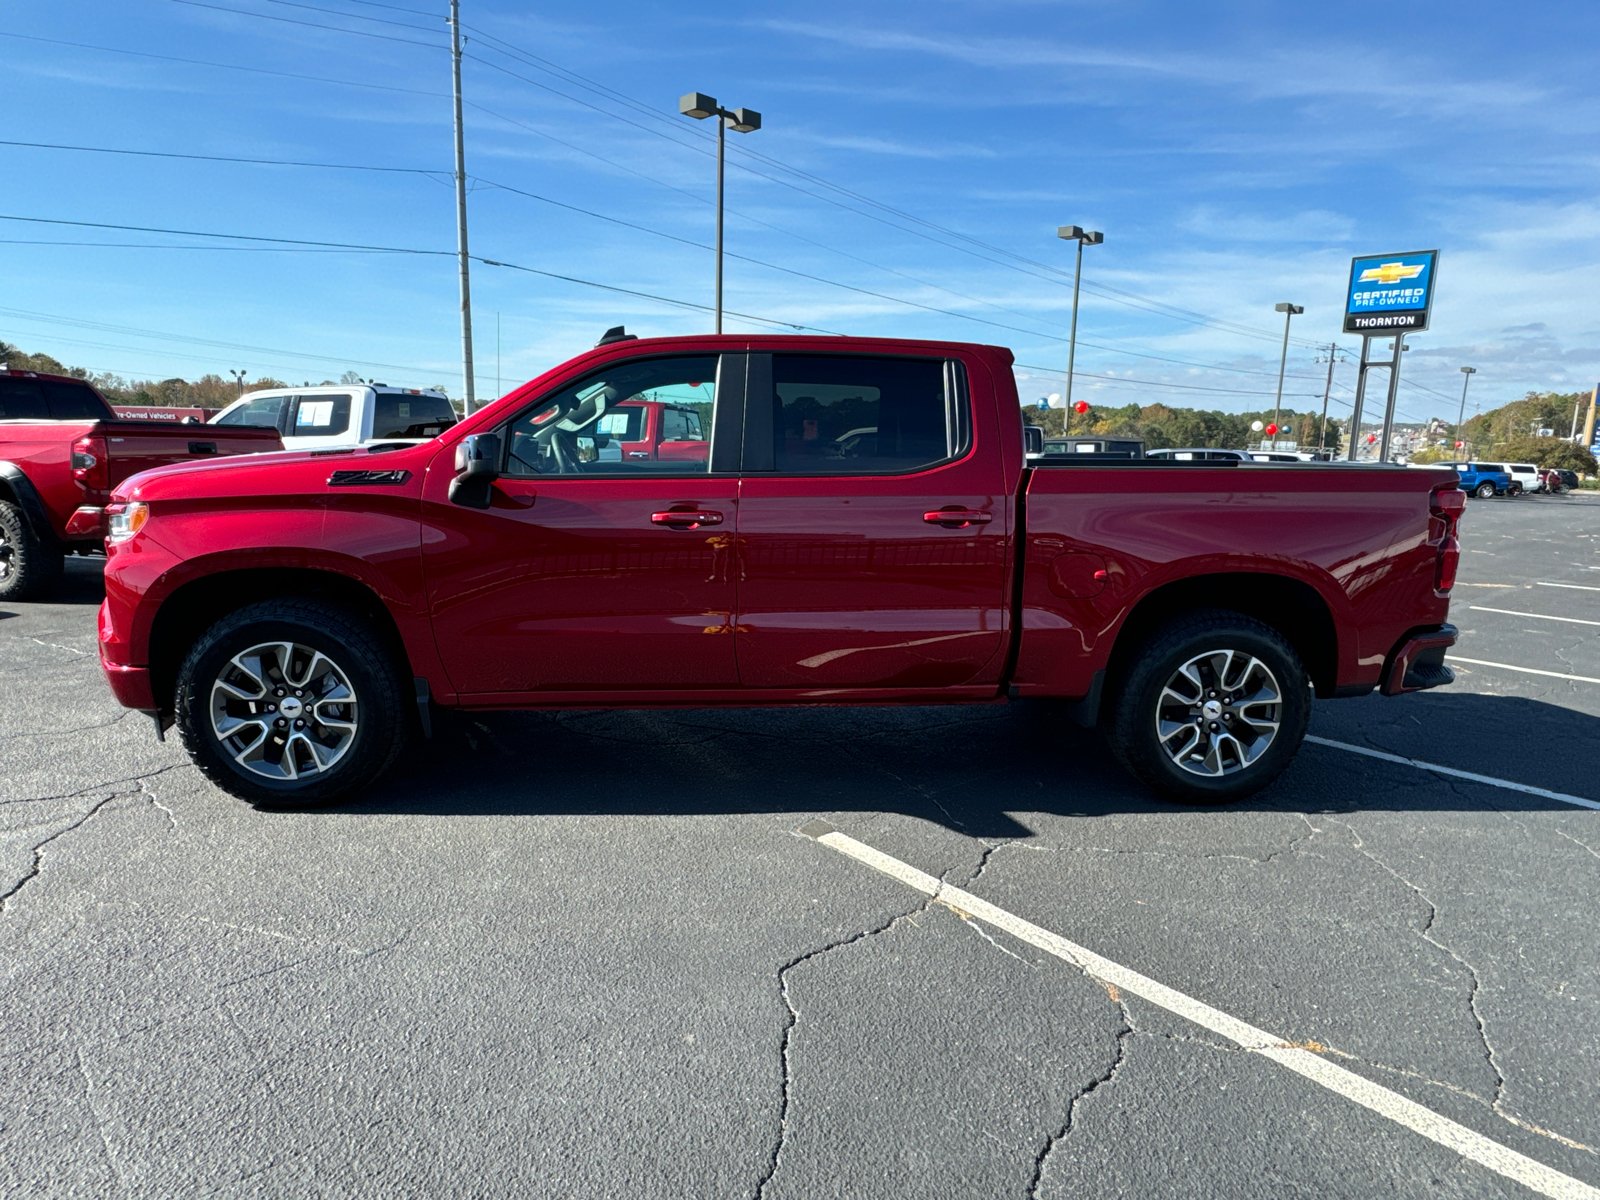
(195, 606)
(1292, 607)
(18, 489)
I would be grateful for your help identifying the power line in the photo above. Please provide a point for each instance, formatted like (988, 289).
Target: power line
(260, 162)
(244, 12)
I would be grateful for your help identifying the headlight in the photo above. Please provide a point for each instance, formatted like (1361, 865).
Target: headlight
(125, 520)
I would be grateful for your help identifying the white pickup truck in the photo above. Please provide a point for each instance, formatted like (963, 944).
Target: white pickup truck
(319, 418)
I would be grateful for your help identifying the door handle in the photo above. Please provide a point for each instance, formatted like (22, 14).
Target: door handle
(957, 518)
(691, 519)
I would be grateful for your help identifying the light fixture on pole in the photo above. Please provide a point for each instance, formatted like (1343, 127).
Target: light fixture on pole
(1084, 238)
(1466, 377)
(1290, 312)
(740, 120)
(238, 377)
(468, 372)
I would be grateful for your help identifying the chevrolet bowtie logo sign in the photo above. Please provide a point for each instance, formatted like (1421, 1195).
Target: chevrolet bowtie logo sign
(1391, 273)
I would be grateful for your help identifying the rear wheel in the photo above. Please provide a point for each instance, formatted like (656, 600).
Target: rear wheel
(1485, 490)
(1212, 709)
(290, 702)
(29, 567)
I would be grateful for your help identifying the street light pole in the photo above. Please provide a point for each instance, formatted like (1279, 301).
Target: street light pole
(1466, 377)
(1084, 238)
(238, 378)
(1289, 311)
(740, 120)
(461, 211)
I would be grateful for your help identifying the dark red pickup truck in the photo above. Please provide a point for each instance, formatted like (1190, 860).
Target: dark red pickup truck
(62, 450)
(861, 526)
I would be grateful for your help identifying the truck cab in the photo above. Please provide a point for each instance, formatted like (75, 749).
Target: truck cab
(655, 430)
(335, 417)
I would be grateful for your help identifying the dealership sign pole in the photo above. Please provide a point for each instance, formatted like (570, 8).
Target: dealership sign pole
(1389, 295)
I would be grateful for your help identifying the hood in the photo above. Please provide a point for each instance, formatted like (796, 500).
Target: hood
(280, 473)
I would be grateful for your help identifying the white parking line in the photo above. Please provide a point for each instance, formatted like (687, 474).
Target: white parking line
(1536, 616)
(1508, 784)
(1577, 587)
(1480, 662)
(1458, 1138)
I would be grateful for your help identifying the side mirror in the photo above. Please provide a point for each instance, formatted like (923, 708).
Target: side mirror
(1032, 440)
(477, 466)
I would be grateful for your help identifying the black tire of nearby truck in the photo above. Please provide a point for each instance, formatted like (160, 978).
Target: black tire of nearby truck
(352, 652)
(1136, 705)
(30, 567)
(1484, 491)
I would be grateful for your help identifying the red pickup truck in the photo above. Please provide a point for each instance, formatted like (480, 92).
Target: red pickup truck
(862, 527)
(62, 450)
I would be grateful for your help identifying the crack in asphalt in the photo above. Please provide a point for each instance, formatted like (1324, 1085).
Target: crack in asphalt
(1126, 1030)
(50, 733)
(792, 1018)
(1425, 934)
(99, 1126)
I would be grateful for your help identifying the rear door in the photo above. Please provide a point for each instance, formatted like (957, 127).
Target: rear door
(872, 525)
(588, 572)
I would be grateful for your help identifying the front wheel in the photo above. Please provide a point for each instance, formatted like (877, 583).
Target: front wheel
(289, 702)
(1485, 490)
(1212, 709)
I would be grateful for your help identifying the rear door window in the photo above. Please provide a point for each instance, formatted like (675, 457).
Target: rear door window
(321, 416)
(407, 416)
(22, 400)
(859, 415)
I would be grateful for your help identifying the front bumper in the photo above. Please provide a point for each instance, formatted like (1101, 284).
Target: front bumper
(1417, 663)
(130, 685)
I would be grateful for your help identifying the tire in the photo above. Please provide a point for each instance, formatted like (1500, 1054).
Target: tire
(252, 659)
(1484, 491)
(30, 568)
(1148, 702)
(1514, 490)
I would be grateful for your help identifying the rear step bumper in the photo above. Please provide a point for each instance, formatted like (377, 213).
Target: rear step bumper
(1417, 663)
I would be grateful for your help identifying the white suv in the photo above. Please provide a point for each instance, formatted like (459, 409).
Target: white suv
(321, 418)
(1525, 477)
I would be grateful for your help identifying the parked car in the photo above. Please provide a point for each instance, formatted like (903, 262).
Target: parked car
(326, 418)
(295, 620)
(62, 450)
(1199, 454)
(1525, 477)
(661, 431)
(1561, 480)
(1482, 479)
(1112, 447)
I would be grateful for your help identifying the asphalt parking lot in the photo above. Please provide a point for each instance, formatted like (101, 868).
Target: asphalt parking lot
(606, 954)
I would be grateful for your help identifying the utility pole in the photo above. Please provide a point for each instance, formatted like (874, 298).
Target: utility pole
(461, 209)
(1333, 357)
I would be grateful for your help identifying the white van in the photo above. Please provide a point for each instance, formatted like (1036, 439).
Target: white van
(324, 418)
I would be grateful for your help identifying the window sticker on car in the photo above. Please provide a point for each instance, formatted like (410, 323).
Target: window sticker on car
(315, 412)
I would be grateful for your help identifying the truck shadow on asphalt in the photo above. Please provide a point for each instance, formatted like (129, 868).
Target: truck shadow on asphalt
(968, 767)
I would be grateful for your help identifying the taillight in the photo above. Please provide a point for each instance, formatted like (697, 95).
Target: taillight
(90, 468)
(1445, 507)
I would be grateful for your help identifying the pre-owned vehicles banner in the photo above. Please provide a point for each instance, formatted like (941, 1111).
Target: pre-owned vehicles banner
(1390, 292)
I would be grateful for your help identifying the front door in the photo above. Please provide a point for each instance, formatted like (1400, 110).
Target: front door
(589, 572)
(872, 539)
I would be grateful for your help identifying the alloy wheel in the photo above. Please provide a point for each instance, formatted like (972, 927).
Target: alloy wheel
(1218, 713)
(284, 711)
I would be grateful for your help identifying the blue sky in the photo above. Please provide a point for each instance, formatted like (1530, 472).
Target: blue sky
(920, 154)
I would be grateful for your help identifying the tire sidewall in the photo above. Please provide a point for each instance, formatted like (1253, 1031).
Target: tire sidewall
(1142, 696)
(376, 720)
(34, 566)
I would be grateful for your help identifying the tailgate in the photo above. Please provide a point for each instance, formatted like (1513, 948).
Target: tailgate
(134, 446)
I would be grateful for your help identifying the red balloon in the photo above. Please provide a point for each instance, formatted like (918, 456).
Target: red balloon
(1080, 406)
(1460, 445)
(1271, 429)
(1371, 437)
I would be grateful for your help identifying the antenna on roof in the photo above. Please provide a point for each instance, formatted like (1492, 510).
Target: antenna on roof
(617, 333)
